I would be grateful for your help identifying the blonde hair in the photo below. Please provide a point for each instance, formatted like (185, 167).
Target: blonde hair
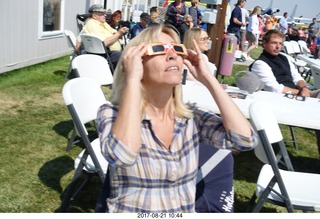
(256, 10)
(148, 36)
(189, 35)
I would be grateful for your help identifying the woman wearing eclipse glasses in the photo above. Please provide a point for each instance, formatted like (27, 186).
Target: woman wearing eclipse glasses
(150, 137)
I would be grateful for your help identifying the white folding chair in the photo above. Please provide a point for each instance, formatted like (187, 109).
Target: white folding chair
(315, 71)
(93, 66)
(275, 184)
(296, 47)
(83, 97)
(72, 40)
(94, 45)
(292, 49)
(90, 66)
(304, 48)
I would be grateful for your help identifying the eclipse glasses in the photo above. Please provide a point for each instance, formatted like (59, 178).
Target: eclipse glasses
(159, 49)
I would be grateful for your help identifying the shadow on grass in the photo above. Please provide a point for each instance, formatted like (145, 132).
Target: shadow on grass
(64, 128)
(247, 167)
(86, 199)
(305, 164)
(242, 207)
(60, 72)
(52, 172)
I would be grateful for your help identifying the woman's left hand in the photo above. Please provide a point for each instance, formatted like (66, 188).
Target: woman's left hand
(197, 64)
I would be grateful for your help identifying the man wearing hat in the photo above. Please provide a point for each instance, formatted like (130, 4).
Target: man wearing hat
(144, 21)
(96, 24)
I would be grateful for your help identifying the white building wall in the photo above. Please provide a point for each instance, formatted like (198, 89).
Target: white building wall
(20, 43)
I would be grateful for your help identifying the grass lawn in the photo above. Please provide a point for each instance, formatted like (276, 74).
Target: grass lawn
(35, 126)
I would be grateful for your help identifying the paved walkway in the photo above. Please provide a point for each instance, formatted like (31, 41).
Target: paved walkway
(247, 63)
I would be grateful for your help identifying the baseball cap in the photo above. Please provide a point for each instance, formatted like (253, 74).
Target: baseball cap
(97, 8)
(145, 17)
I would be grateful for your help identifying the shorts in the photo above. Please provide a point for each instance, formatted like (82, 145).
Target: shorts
(251, 37)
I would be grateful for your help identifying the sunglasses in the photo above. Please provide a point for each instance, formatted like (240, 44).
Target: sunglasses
(205, 39)
(159, 49)
(297, 97)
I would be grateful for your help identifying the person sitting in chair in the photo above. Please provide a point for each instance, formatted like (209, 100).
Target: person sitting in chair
(278, 73)
(143, 24)
(96, 24)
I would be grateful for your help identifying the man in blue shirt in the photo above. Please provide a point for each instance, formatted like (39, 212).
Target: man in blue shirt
(144, 21)
(236, 20)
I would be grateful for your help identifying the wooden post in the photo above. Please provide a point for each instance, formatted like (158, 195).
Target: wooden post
(216, 32)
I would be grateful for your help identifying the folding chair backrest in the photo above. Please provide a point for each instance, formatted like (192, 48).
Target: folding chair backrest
(71, 38)
(288, 48)
(83, 97)
(265, 123)
(315, 71)
(295, 46)
(304, 47)
(93, 44)
(262, 119)
(93, 66)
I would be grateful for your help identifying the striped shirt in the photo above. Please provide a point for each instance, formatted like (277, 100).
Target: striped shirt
(157, 179)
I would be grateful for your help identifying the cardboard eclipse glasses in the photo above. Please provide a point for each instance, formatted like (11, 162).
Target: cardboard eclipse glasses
(159, 49)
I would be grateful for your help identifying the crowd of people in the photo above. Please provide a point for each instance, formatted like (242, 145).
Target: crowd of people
(156, 146)
(250, 25)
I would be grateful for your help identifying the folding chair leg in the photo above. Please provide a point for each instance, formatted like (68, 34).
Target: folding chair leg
(71, 141)
(70, 191)
(68, 72)
(110, 62)
(251, 202)
(71, 194)
(293, 138)
(70, 66)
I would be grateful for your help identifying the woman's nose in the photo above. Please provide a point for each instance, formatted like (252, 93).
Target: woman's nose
(171, 54)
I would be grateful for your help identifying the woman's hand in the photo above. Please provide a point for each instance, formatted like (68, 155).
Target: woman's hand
(132, 62)
(197, 64)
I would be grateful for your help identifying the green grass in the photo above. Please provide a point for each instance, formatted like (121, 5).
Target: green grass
(35, 126)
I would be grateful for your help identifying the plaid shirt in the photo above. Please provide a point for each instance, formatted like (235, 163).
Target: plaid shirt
(157, 179)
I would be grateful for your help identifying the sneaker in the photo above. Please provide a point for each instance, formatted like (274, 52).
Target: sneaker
(249, 58)
(239, 60)
(244, 56)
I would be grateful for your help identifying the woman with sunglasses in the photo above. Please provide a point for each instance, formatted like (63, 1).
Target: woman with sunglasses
(150, 137)
(204, 43)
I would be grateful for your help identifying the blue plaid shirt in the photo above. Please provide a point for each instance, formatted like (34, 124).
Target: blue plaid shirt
(157, 179)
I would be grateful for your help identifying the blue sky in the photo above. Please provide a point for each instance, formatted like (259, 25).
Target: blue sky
(306, 8)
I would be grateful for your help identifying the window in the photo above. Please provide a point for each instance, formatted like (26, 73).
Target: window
(51, 18)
